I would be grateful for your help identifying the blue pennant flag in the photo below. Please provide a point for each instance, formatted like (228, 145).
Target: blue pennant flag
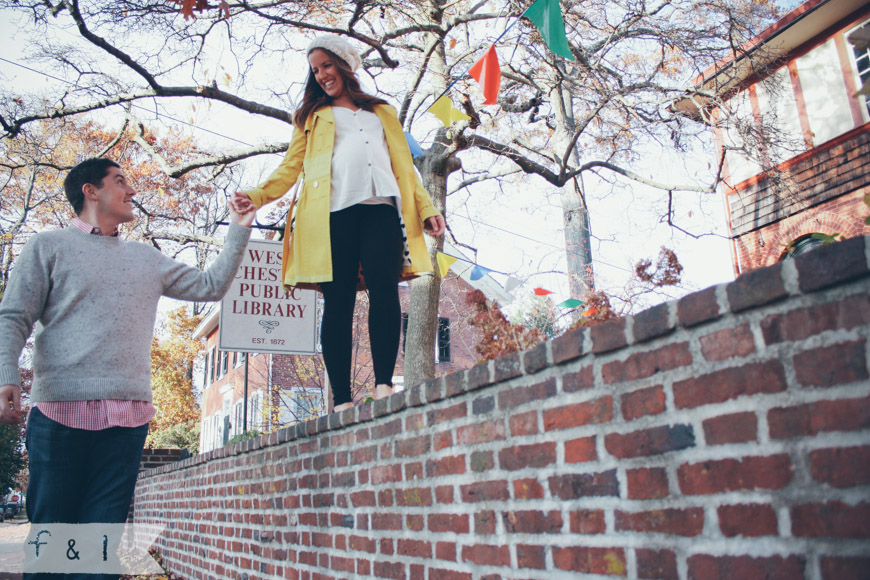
(416, 150)
(479, 272)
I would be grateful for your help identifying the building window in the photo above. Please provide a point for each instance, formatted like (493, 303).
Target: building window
(212, 369)
(225, 356)
(205, 378)
(802, 245)
(862, 58)
(442, 348)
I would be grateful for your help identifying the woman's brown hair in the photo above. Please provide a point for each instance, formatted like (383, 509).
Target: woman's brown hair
(314, 97)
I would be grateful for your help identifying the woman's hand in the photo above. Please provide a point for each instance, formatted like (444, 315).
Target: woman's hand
(435, 225)
(242, 210)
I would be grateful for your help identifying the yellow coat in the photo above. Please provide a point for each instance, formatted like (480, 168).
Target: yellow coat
(307, 256)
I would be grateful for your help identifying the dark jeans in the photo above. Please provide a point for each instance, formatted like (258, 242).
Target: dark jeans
(370, 236)
(80, 477)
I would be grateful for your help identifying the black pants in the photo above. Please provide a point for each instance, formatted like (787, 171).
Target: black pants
(367, 235)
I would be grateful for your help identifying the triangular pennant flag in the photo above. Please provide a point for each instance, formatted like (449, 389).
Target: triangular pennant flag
(512, 284)
(570, 303)
(479, 272)
(416, 150)
(486, 71)
(542, 292)
(547, 16)
(590, 312)
(444, 263)
(445, 111)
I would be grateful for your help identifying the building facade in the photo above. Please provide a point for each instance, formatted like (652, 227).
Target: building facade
(793, 132)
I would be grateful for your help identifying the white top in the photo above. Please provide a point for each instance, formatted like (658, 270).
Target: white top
(361, 168)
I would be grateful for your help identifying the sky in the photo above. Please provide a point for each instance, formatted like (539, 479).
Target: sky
(515, 229)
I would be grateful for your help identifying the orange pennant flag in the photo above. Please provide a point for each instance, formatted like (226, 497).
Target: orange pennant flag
(542, 292)
(486, 71)
(590, 312)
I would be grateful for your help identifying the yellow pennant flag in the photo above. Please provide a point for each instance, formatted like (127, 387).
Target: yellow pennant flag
(444, 263)
(445, 111)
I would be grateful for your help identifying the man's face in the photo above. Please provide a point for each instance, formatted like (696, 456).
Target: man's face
(115, 197)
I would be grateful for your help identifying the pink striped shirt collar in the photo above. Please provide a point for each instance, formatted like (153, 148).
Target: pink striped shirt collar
(80, 224)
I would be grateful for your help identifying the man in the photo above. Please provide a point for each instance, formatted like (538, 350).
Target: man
(93, 298)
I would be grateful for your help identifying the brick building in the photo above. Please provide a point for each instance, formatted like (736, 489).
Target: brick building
(284, 389)
(794, 86)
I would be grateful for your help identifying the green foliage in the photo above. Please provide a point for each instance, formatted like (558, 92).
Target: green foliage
(253, 434)
(179, 436)
(828, 239)
(11, 455)
(538, 313)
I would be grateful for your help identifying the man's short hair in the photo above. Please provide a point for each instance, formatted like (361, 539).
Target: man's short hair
(89, 171)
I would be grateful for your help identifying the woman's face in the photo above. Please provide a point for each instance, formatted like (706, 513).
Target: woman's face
(326, 73)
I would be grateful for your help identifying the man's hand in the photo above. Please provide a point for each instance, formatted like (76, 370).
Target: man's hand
(435, 225)
(10, 405)
(242, 210)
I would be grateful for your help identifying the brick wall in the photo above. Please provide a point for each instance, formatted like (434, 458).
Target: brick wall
(152, 458)
(722, 436)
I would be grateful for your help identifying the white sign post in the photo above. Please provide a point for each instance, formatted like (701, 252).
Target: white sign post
(258, 315)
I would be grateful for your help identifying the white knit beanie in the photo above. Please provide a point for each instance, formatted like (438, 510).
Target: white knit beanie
(339, 46)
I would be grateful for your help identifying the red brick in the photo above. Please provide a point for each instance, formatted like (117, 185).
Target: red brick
(484, 491)
(647, 482)
(652, 323)
(581, 450)
(609, 561)
(642, 402)
(441, 574)
(414, 548)
(577, 485)
(484, 555)
(676, 522)
(831, 265)
(732, 428)
(363, 498)
(446, 551)
(640, 365)
(756, 288)
(747, 520)
(535, 359)
(579, 381)
(386, 474)
(506, 367)
(524, 423)
(707, 567)
(804, 322)
(481, 432)
(415, 496)
(532, 522)
(454, 523)
(831, 366)
(656, 564)
(822, 416)
(444, 494)
(389, 429)
(719, 476)
(845, 567)
(392, 570)
(652, 441)
(568, 346)
(591, 412)
(484, 523)
(387, 548)
(534, 557)
(521, 395)
(833, 519)
(608, 336)
(698, 308)
(728, 343)
(528, 489)
(720, 386)
(452, 465)
(456, 411)
(482, 461)
(413, 446)
(381, 521)
(841, 467)
(525, 456)
(362, 544)
(587, 522)
(414, 522)
(443, 440)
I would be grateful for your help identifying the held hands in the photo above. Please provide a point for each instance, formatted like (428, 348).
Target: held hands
(435, 225)
(10, 405)
(242, 210)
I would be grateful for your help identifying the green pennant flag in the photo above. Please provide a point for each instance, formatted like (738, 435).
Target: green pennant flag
(570, 303)
(547, 16)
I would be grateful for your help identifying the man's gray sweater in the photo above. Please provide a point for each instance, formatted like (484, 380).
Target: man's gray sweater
(94, 302)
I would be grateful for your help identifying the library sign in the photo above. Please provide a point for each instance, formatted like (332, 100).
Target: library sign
(259, 315)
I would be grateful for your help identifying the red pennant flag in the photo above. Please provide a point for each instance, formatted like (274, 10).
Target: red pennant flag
(542, 292)
(486, 71)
